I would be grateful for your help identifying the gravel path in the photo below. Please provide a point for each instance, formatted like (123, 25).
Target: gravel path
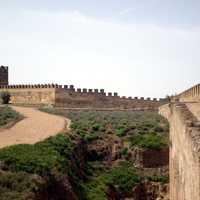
(195, 109)
(35, 127)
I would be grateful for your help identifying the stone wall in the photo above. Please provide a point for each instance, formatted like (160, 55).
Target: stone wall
(184, 152)
(87, 98)
(31, 94)
(155, 158)
(69, 97)
(147, 158)
(190, 95)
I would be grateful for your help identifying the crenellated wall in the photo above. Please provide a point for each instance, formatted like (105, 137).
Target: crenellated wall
(87, 98)
(69, 97)
(31, 94)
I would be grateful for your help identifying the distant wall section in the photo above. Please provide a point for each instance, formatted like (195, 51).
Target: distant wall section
(69, 97)
(87, 98)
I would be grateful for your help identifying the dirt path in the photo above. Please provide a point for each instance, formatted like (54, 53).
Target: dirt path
(195, 109)
(36, 126)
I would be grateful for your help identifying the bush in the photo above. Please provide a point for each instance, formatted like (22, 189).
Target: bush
(125, 152)
(96, 127)
(5, 97)
(161, 179)
(8, 115)
(121, 132)
(40, 158)
(18, 186)
(91, 137)
(123, 177)
(148, 141)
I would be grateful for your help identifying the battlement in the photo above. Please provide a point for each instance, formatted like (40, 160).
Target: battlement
(80, 91)
(84, 91)
(30, 86)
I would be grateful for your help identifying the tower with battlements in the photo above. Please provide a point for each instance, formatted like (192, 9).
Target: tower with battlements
(3, 75)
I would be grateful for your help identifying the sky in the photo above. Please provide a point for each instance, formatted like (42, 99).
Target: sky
(144, 48)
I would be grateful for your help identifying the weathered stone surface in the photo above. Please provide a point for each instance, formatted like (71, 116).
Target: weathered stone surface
(184, 152)
(68, 97)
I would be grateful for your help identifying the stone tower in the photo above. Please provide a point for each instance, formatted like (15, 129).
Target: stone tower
(3, 75)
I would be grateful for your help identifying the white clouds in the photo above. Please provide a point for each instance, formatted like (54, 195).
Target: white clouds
(72, 48)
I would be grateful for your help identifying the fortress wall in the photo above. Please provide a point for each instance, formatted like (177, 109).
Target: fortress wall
(190, 95)
(69, 97)
(84, 98)
(184, 152)
(31, 94)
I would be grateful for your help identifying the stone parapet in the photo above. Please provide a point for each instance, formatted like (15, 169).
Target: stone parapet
(190, 95)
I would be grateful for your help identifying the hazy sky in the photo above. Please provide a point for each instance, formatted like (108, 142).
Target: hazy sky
(134, 47)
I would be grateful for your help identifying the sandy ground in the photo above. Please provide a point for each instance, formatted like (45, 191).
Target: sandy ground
(35, 127)
(195, 109)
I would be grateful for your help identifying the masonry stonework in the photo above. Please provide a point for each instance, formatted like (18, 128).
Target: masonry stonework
(184, 145)
(69, 97)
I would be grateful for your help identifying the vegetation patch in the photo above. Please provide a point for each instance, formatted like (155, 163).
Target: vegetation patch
(148, 141)
(19, 186)
(92, 125)
(40, 158)
(160, 179)
(124, 177)
(8, 116)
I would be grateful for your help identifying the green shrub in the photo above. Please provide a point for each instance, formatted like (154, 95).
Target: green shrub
(96, 127)
(123, 177)
(148, 141)
(40, 158)
(18, 186)
(95, 189)
(125, 152)
(8, 115)
(121, 132)
(161, 179)
(91, 137)
(5, 97)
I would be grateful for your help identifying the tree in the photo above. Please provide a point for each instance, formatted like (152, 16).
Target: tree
(5, 97)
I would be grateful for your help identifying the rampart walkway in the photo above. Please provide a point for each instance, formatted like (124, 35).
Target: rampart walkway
(36, 126)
